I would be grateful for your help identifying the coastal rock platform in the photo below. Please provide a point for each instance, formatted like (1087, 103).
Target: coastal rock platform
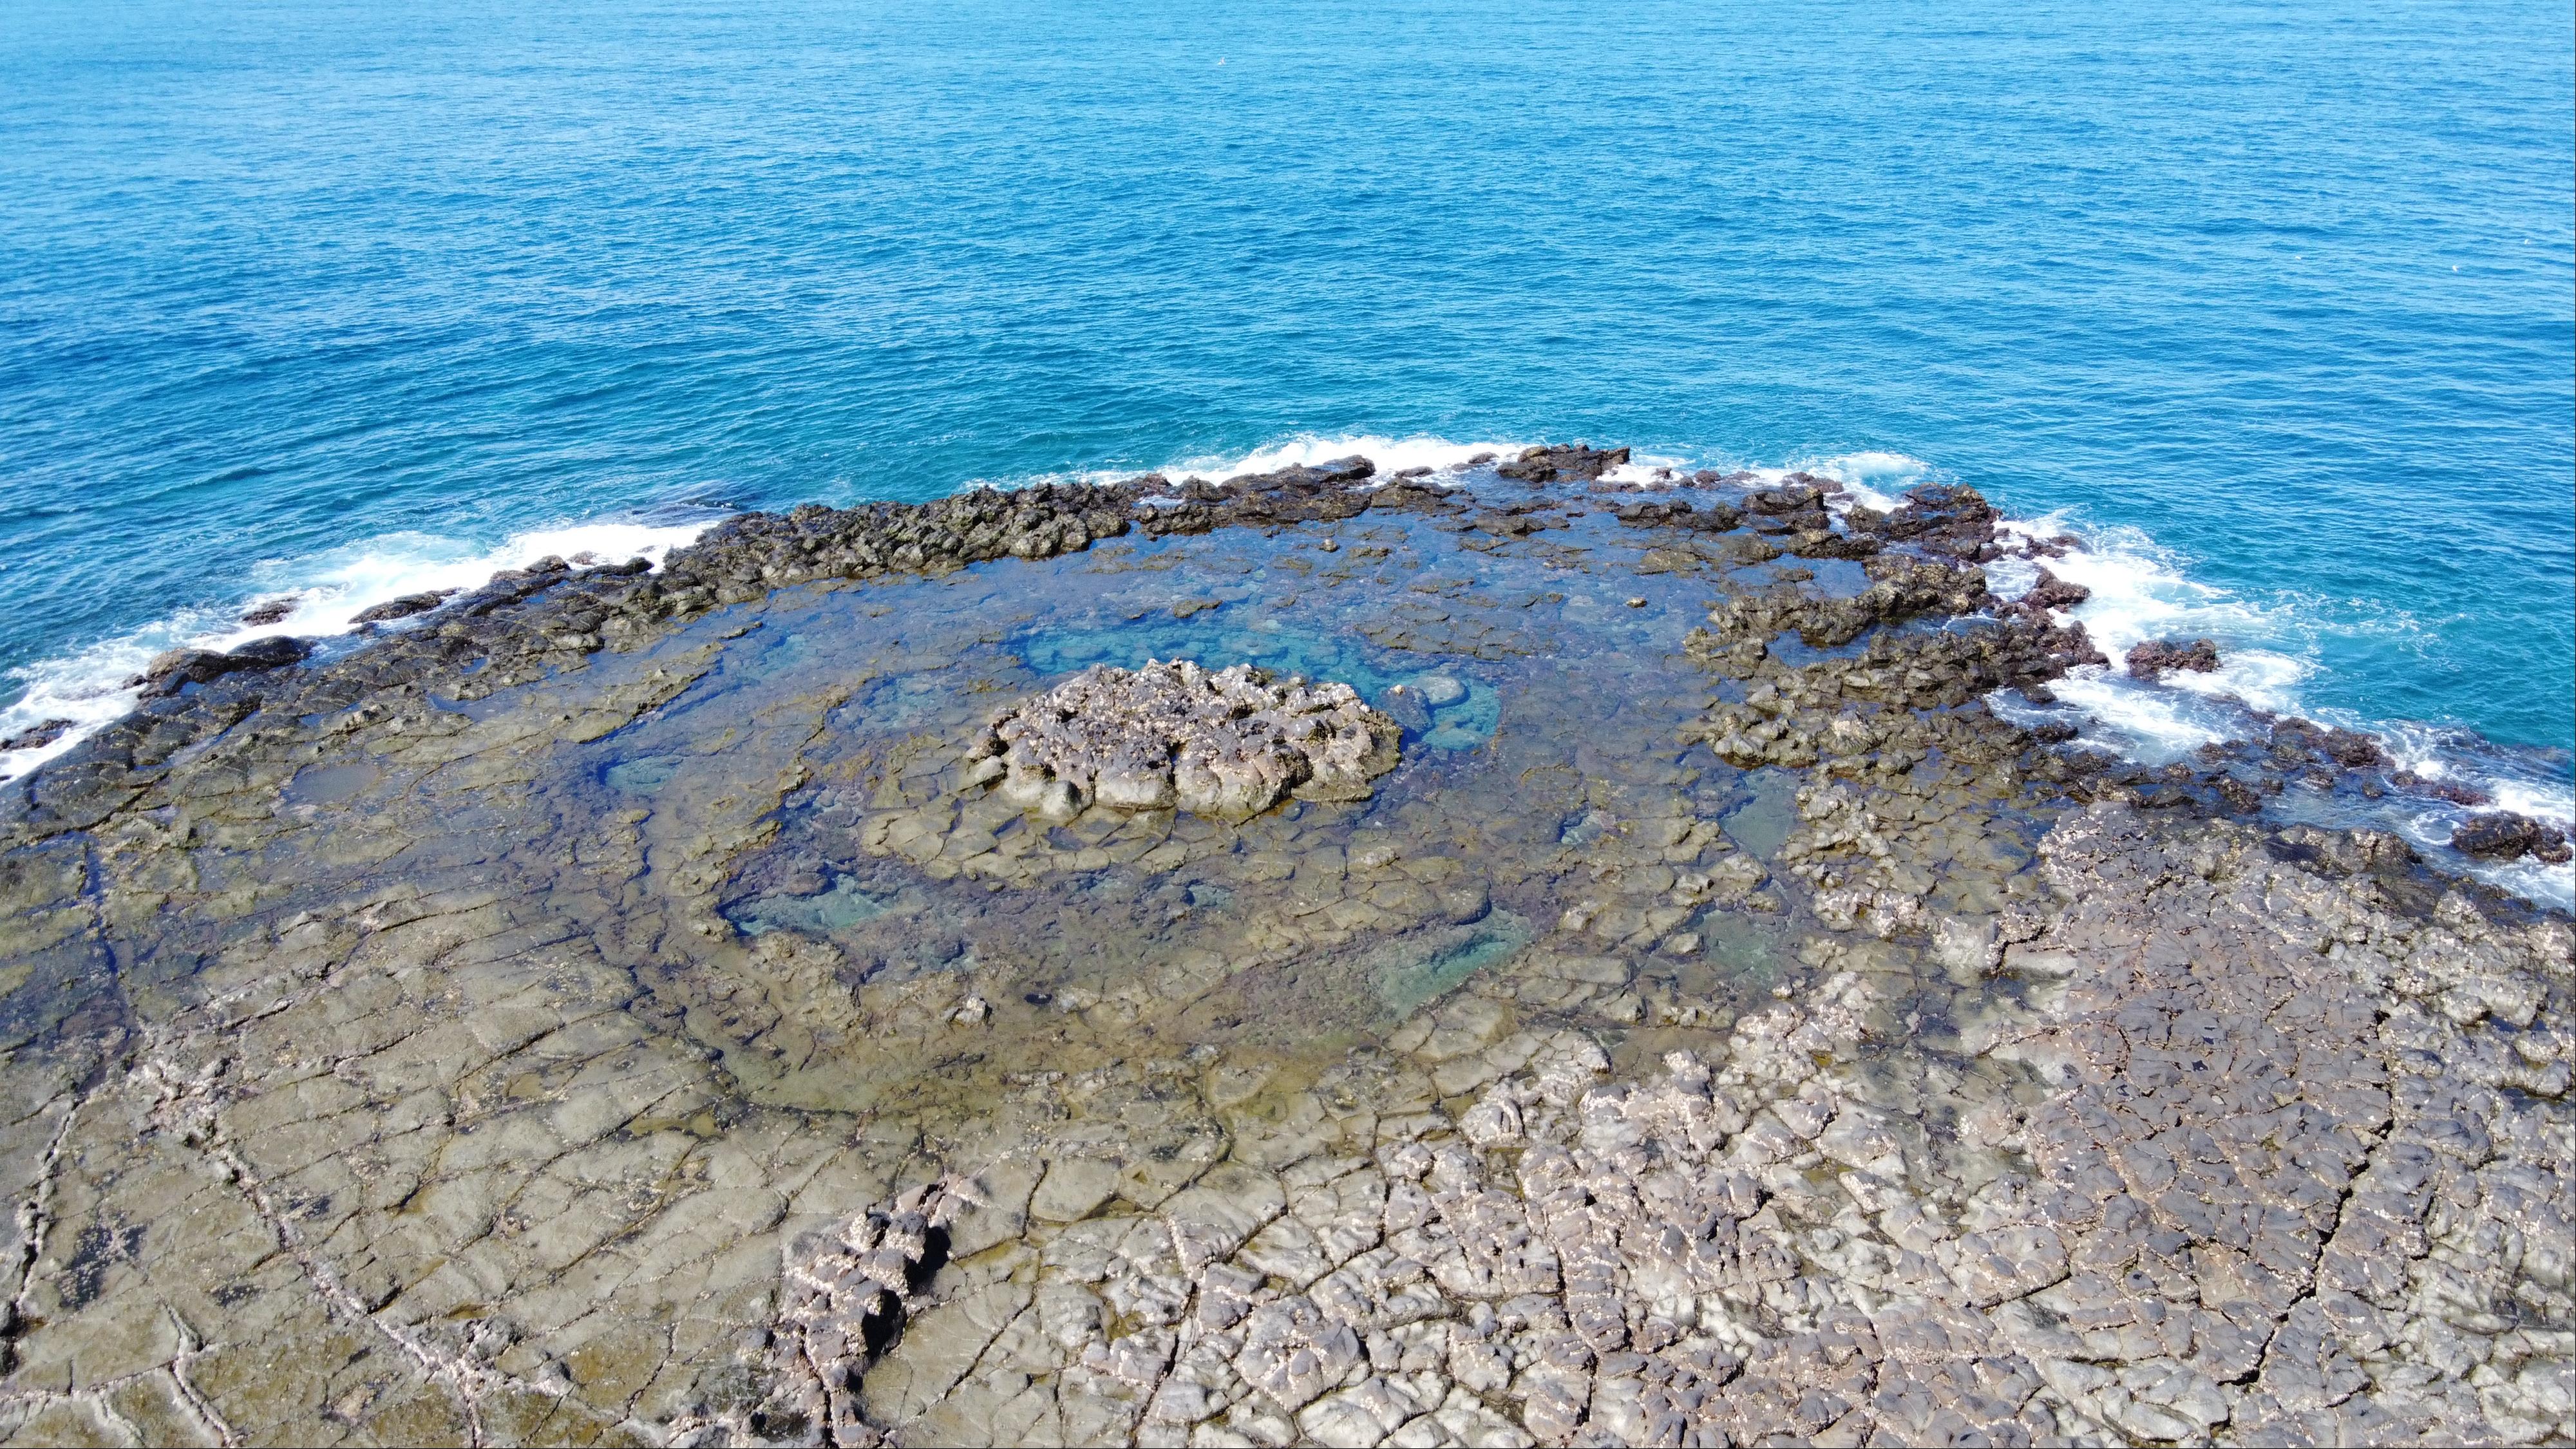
(1670, 1006)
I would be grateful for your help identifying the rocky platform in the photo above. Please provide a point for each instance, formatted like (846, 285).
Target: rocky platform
(1226, 743)
(618, 1005)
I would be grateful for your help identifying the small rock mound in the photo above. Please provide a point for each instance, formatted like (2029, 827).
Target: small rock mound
(168, 673)
(2159, 657)
(1227, 744)
(1573, 462)
(38, 735)
(2052, 592)
(404, 607)
(2507, 836)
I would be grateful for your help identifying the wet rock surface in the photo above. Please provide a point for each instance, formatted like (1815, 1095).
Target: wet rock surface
(2505, 835)
(1574, 462)
(2159, 657)
(608, 1007)
(37, 735)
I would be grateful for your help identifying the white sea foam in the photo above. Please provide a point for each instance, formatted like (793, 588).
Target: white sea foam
(1869, 479)
(326, 592)
(2267, 656)
(2139, 592)
(1391, 455)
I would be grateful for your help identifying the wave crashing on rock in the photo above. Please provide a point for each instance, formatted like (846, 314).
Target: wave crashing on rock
(1227, 744)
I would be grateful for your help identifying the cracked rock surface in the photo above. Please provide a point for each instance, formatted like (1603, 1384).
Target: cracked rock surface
(2248, 1159)
(1227, 744)
(609, 1008)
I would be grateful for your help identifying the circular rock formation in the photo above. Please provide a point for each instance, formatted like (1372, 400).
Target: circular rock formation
(1227, 744)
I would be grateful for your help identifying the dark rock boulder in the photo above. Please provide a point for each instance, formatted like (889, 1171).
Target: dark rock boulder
(271, 611)
(2454, 791)
(1793, 498)
(1939, 518)
(404, 607)
(170, 672)
(2158, 657)
(1679, 513)
(2348, 748)
(2504, 835)
(2052, 592)
(1573, 462)
(1825, 543)
(1900, 589)
(1300, 476)
(37, 736)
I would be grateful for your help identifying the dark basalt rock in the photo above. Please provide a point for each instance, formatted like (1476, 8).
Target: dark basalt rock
(272, 612)
(1571, 462)
(2302, 739)
(170, 672)
(1794, 498)
(404, 607)
(524, 622)
(2451, 790)
(1939, 518)
(1901, 588)
(1825, 543)
(2507, 836)
(37, 736)
(2158, 657)
(2052, 592)
(1678, 513)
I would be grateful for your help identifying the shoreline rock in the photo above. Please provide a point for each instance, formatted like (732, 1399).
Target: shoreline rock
(2157, 658)
(2504, 835)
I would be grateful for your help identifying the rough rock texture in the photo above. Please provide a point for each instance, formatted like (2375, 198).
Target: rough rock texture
(404, 607)
(501, 1031)
(38, 735)
(2061, 1218)
(171, 671)
(1227, 744)
(2159, 657)
(2347, 748)
(1572, 462)
(2052, 592)
(2504, 835)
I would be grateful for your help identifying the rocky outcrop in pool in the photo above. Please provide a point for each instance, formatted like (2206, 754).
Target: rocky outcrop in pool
(1226, 743)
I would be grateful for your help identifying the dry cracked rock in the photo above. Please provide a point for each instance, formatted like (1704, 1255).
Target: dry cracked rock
(1227, 744)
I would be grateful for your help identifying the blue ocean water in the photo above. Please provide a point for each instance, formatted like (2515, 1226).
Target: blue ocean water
(2277, 303)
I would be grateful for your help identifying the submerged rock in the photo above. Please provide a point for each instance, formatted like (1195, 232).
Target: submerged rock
(1227, 744)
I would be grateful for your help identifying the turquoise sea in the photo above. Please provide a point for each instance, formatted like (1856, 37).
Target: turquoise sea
(318, 302)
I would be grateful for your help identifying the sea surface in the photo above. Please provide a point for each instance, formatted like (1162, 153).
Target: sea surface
(316, 302)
